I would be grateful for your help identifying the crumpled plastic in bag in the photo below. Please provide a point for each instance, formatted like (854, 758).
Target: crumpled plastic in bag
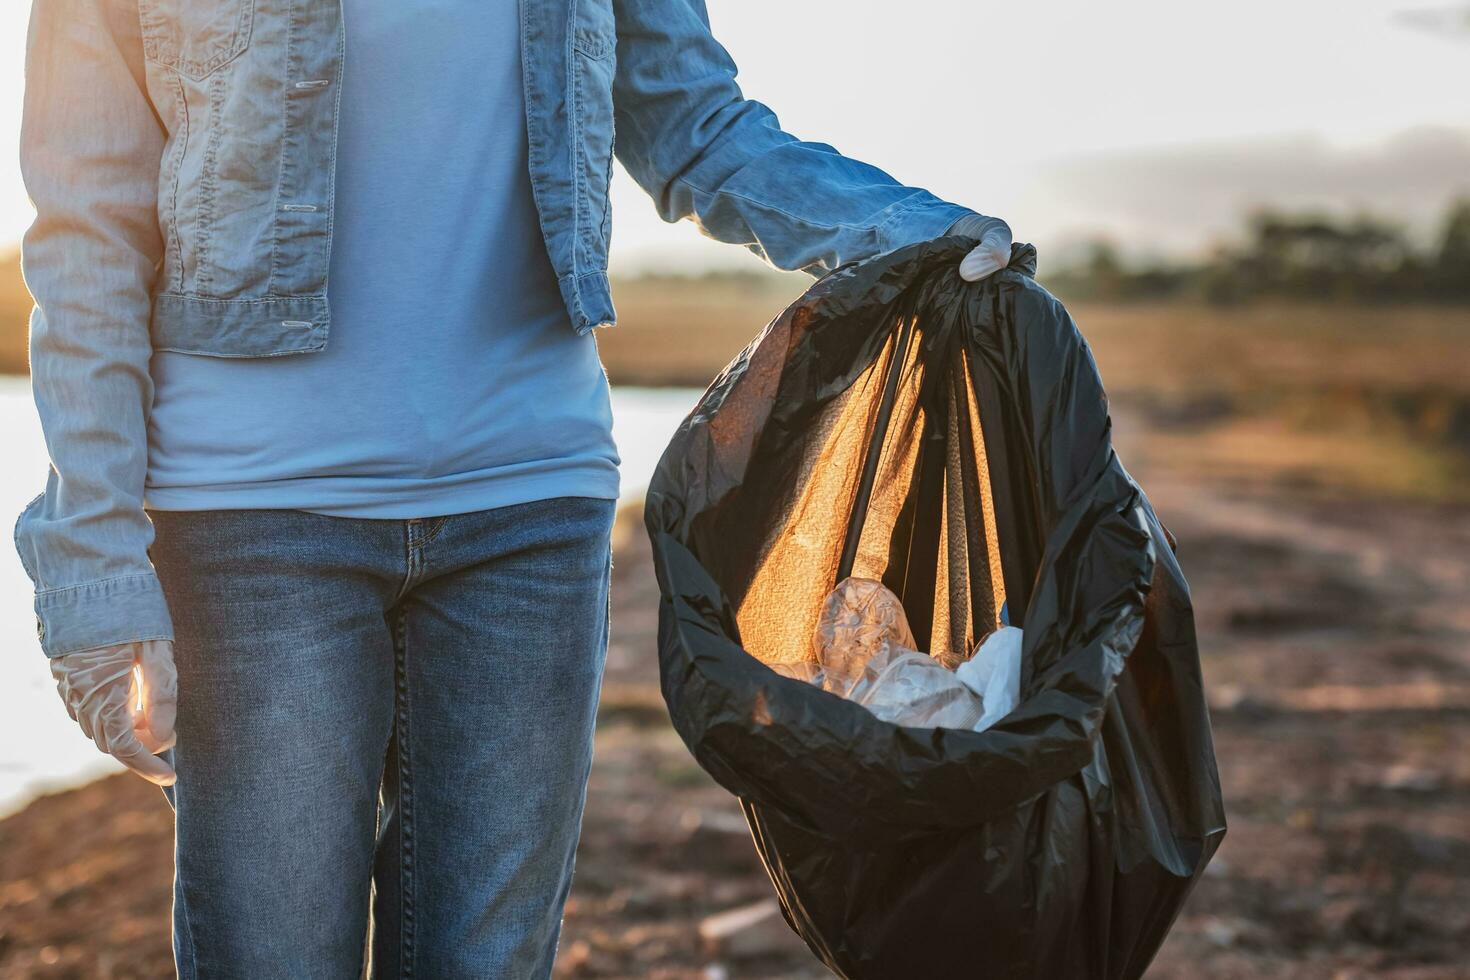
(864, 650)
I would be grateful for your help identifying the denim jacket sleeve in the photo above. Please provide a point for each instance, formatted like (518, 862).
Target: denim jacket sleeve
(700, 148)
(90, 154)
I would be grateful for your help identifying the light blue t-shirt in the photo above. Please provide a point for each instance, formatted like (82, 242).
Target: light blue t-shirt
(452, 380)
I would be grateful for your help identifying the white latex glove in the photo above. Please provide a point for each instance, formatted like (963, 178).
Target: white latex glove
(994, 251)
(125, 698)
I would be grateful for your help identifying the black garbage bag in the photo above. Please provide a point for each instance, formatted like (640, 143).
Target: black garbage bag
(961, 432)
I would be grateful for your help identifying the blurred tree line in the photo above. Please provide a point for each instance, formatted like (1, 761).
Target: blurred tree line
(1297, 256)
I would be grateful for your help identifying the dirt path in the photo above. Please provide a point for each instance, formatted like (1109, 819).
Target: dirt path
(1337, 650)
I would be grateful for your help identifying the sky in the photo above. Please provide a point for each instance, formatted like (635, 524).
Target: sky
(1155, 123)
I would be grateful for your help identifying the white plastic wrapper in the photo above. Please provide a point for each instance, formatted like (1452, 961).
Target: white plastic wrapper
(863, 650)
(993, 673)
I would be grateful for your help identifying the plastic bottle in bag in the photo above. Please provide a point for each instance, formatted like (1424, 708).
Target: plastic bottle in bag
(863, 650)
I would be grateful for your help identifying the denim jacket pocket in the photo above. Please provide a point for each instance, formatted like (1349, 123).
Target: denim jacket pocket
(594, 31)
(195, 37)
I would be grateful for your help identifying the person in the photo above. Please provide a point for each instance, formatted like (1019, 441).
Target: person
(324, 544)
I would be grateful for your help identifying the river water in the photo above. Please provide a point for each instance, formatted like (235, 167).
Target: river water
(41, 749)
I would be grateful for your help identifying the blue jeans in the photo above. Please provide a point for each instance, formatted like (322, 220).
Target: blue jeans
(394, 715)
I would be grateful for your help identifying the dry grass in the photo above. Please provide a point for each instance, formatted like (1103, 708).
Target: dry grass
(682, 331)
(1367, 401)
(15, 313)
(1186, 347)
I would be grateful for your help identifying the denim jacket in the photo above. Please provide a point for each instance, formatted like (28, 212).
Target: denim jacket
(181, 153)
